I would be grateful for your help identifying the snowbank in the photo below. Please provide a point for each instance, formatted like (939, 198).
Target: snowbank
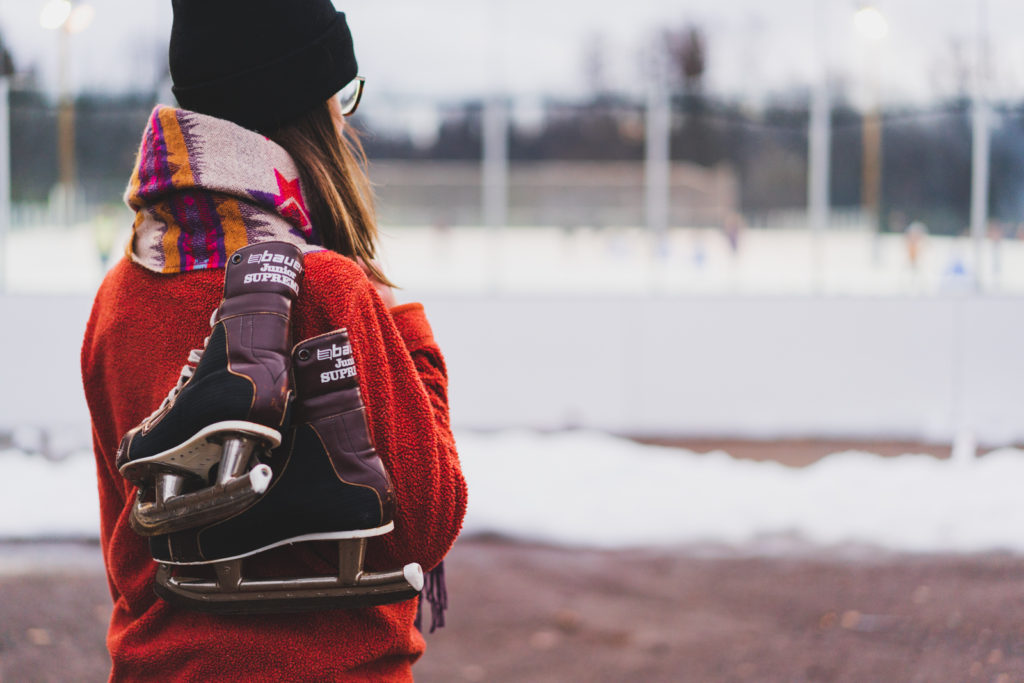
(589, 489)
(595, 490)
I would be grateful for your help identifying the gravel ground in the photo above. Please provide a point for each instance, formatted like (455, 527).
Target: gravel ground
(520, 612)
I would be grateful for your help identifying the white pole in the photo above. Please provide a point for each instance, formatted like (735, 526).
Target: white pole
(818, 141)
(658, 139)
(495, 171)
(819, 153)
(980, 147)
(979, 182)
(5, 176)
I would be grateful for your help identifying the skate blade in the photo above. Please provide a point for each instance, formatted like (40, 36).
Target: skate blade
(231, 594)
(200, 453)
(353, 534)
(206, 506)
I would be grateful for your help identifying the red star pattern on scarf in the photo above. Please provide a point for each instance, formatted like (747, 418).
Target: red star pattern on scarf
(289, 202)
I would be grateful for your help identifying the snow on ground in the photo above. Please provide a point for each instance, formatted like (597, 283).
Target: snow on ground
(596, 490)
(590, 489)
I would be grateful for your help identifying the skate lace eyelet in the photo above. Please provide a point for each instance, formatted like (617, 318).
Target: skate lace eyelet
(236, 258)
(304, 354)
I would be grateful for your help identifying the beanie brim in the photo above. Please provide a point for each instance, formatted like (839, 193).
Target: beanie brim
(267, 97)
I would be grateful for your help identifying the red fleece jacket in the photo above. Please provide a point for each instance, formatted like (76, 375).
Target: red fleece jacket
(142, 327)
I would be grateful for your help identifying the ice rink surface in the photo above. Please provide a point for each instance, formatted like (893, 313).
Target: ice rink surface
(696, 260)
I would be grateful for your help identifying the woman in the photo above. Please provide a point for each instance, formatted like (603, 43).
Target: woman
(259, 152)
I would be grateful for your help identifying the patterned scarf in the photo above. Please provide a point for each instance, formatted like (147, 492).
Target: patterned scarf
(203, 187)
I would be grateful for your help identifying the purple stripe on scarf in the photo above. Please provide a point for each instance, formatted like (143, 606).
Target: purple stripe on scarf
(186, 260)
(154, 166)
(215, 239)
(203, 247)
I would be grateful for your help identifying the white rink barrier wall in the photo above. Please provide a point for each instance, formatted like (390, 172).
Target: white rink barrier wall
(740, 366)
(744, 366)
(42, 403)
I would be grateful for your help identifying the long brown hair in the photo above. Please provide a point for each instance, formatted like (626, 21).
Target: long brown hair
(332, 166)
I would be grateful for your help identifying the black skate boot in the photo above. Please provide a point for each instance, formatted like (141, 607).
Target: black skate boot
(329, 484)
(191, 459)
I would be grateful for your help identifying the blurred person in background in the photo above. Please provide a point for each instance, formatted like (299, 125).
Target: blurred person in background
(916, 233)
(260, 151)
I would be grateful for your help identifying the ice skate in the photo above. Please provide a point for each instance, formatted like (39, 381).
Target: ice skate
(329, 484)
(195, 460)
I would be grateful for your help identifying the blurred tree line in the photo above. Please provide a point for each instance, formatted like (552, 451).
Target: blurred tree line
(109, 128)
(926, 151)
(926, 167)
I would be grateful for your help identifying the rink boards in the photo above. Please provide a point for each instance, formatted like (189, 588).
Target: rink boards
(922, 368)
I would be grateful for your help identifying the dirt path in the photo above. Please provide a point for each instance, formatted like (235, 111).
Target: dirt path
(803, 452)
(530, 613)
(535, 614)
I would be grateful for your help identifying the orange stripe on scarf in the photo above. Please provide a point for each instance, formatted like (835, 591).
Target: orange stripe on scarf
(235, 235)
(177, 151)
(172, 258)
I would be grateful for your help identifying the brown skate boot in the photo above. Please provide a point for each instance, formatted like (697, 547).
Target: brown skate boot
(191, 458)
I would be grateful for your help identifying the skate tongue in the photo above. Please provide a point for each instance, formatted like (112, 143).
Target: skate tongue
(325, 364)
(269, 267)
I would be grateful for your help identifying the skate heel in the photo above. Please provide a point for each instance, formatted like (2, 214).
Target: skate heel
(350, 570)
(351, 587)
(236, 488)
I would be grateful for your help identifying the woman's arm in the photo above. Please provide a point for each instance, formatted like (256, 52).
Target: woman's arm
(403, 381)
(412, 325)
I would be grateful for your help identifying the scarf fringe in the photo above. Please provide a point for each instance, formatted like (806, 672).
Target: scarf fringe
(435, 591)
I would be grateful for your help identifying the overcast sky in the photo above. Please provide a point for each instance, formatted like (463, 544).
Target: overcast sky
(757, 48)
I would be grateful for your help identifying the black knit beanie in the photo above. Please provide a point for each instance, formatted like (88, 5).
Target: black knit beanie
(259, 63)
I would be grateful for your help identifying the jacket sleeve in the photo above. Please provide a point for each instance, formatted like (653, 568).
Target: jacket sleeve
(412, 324)
(404, 386)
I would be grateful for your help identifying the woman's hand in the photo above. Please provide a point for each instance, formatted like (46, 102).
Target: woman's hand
(386, 293)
